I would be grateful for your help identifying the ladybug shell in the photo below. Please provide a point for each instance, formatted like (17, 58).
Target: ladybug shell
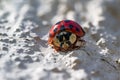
(65, 25)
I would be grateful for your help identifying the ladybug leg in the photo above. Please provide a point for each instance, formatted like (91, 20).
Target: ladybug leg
(56, 49)
(80, 43)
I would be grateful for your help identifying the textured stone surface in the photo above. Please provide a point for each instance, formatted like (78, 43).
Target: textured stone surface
(24, 26)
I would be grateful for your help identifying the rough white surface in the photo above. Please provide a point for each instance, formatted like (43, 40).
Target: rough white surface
(23, 56)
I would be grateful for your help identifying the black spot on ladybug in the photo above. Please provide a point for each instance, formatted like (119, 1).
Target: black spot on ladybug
(67, 35)
(77, 30)
(60, 37)
(67, 21)
(62, 28)
(55, 30)
(58, 23)
(70, 26)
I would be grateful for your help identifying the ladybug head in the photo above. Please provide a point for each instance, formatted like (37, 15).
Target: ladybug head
(64, 39)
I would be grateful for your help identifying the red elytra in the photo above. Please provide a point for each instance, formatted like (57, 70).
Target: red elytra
(65, 25)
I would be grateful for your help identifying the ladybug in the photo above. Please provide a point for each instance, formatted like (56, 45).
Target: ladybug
(66, 35)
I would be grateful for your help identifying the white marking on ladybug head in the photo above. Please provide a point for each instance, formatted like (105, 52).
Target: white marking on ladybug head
(56, 42)
(61, 33)
(73, 38)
